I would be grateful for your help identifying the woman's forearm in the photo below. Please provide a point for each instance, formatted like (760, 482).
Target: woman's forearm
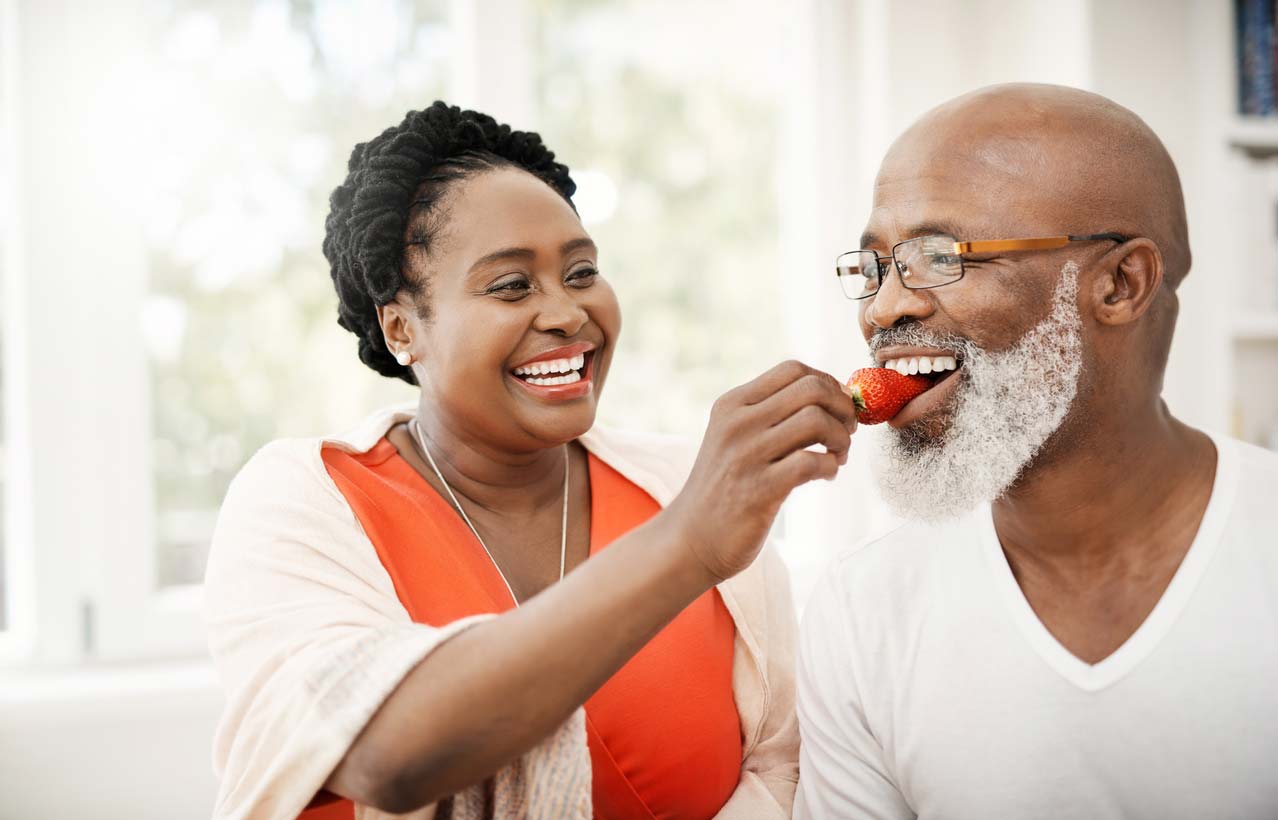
(496, 690)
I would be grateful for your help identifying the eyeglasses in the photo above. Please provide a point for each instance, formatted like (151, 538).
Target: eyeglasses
(934, 261)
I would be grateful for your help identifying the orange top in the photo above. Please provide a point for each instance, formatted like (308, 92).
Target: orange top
(664, 734)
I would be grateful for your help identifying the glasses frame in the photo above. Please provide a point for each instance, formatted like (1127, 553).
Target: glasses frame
(971, 246)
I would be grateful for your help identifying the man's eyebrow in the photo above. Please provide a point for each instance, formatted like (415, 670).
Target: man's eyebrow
(934, 228)
(921, 229)
(528, 253)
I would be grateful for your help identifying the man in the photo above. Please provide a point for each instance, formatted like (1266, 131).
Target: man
(1081, 618)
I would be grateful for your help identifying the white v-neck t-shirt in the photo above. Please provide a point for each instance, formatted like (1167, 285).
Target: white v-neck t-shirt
(928, 687)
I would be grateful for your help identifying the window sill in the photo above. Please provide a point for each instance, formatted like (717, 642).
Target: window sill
(144, 687)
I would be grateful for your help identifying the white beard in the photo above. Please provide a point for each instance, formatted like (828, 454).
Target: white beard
(1005, 408)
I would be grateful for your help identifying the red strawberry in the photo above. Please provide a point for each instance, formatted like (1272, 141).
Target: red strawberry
(880, 393)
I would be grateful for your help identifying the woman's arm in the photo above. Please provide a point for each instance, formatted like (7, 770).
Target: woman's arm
(493, 692)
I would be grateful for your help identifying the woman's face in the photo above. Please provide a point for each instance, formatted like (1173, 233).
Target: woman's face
(513, 290)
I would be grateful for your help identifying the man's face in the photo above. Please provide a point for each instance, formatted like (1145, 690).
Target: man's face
(1012, 323)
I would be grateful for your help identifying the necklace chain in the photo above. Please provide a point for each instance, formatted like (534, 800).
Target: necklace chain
(419, 438)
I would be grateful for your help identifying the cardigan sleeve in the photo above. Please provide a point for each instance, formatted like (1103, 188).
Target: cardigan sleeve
(305, 629)
(770, 765)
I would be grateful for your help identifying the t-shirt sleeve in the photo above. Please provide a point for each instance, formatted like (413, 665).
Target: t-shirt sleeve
(306, 632)
(842, 768)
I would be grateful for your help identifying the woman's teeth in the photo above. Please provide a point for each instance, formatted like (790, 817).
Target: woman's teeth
(569, 379)
(921, 364)
(557, 371)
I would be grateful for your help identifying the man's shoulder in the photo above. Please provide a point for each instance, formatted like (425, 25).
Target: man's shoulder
(898, 565)
(905, 544)
(1255, 461)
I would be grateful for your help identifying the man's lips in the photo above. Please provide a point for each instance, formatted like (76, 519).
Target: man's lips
(929, 401)
(887, 354)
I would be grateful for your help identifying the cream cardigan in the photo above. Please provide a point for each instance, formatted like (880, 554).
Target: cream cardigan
(309, 638)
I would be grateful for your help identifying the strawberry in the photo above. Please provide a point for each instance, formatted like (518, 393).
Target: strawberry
(880, 393)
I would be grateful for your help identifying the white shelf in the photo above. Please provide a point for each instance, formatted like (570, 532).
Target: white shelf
(1256, 327)
(1255, 136)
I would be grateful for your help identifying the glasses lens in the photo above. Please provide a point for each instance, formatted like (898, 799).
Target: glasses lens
(858, 273)
(928, 262)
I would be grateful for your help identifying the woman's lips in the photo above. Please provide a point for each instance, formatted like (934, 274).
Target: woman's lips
(929, 401)
(562, 392)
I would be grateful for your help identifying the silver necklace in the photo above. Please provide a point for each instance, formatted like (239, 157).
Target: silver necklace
(419, 438)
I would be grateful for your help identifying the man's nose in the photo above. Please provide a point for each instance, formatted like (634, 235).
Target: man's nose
(895, 302)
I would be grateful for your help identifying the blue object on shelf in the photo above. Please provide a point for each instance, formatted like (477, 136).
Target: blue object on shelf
(1256, 45)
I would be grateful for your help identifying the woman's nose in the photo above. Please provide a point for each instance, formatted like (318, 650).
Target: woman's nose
(561, 313)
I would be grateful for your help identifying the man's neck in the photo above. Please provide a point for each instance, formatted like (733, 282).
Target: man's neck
(1098, 527)
(1132, 484)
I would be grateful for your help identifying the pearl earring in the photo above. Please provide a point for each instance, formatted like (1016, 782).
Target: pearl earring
(404, 358)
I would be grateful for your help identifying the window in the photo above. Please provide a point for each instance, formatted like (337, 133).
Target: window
(266, 101)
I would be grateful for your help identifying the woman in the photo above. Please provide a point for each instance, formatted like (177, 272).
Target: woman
(409, 617)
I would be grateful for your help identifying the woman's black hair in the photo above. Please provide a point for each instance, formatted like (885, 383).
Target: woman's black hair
(405, 171)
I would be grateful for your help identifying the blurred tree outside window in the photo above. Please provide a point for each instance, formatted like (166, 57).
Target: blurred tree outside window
(265, 100)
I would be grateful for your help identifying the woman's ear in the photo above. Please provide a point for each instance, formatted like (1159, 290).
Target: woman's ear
(1125, 290)
(395, 329)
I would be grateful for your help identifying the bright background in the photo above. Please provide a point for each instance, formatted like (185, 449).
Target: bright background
(164, 173)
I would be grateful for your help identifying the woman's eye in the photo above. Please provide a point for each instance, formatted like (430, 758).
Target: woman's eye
(583, 277)
(510, 289)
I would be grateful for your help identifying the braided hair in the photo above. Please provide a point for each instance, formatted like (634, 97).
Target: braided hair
(404, 172)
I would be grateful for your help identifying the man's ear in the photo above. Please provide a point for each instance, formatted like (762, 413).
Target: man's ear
(1125, 289)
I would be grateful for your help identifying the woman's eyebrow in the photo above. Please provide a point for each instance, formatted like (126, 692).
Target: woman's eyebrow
(528, 253)
(501, 256)
(573, 244)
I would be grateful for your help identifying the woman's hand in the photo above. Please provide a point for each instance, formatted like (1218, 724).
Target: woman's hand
(753, 455)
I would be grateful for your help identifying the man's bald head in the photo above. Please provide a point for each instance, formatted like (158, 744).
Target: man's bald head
(1052, 160)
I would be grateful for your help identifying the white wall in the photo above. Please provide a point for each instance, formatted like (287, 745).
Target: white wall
(130, 743)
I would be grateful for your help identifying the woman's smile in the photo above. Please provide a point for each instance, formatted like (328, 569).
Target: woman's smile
(559, 374)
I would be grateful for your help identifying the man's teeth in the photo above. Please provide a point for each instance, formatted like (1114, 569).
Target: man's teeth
(561, 371)
(921, 364)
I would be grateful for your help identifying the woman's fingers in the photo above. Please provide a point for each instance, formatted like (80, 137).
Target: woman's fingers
(808, 426)
(811, 389)
(771, 382)
(803, 466)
